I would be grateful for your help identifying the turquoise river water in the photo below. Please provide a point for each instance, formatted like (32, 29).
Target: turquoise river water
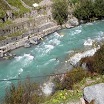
(48, 57)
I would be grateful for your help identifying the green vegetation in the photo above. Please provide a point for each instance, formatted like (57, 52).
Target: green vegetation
(73, 96)
(3, 8)
(60, 11)
(99, 8)
(64, 96)
(3, 24)
(31, 93)
(73, 1)
(18, 5)
(72, 77)
(30, 2)
(89, 10)
(27, 93)
(96, 62)
(75, 80)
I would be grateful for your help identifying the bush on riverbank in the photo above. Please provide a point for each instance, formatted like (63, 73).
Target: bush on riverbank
(27, 93)
(60, 11)
(96, 62)
(71, 77)
(89, 10)
(99, 60)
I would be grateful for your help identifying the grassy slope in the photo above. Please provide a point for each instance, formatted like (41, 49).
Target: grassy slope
(18, 4)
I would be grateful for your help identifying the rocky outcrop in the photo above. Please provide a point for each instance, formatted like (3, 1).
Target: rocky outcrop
(72, 21)
(94, 92)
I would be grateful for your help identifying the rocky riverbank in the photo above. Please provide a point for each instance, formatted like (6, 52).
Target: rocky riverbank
(33, 36)
(26, 41)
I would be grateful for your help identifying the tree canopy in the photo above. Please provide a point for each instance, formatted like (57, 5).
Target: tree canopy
(60, 11)
(89, 9)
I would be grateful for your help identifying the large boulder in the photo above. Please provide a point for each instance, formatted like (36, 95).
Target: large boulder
(73, 21)
(94, 92)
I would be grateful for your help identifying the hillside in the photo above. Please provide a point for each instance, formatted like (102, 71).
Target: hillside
(16, 6)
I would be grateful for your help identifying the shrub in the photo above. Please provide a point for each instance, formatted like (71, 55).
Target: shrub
(96, 62)
(27, 93)
(60, 11)
(71, 77)
(99, 60)
(89, 10)
(89, 63)
(99, 8)
(84, 10)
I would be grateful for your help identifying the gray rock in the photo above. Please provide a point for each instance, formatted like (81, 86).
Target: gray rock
(73, 21)
(94, 92)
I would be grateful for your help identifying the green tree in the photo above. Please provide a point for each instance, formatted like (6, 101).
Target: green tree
(89, 10)
(60, 11)
(99, 8)
(84, 10)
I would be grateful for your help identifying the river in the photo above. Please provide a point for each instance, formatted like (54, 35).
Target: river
(49, 56)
